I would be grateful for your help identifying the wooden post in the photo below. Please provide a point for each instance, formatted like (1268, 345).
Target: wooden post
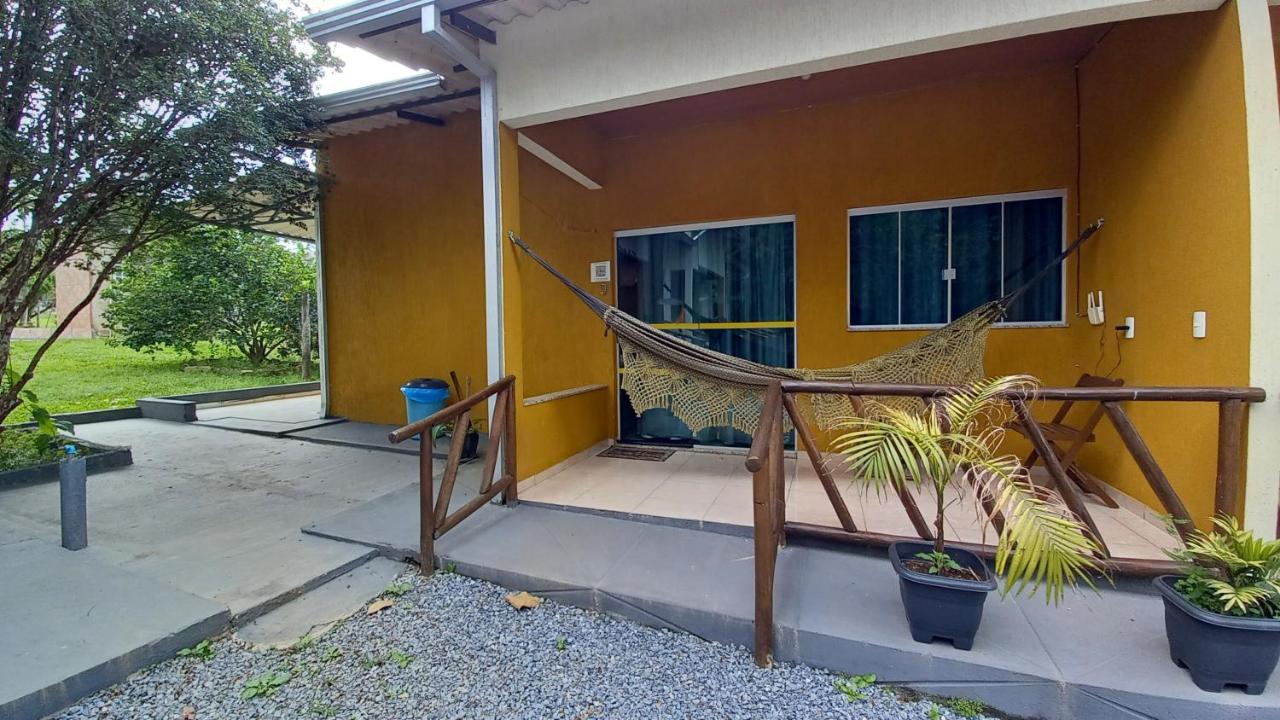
(778, 469)
(426, 507)
(766, 551)
(1156, 478)
(511, 494)
(1226, 496)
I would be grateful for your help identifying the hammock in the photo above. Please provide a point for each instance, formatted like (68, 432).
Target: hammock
(705, 388)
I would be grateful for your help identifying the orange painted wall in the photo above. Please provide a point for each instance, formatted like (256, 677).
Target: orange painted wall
(1164, 158)
(973, 136)
(404, 269)
(552, 342)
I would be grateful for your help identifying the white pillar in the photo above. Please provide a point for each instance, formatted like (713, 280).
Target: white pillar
(463, 51)
(1262, 119)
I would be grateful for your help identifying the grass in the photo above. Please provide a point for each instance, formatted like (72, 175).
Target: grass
(93, 374)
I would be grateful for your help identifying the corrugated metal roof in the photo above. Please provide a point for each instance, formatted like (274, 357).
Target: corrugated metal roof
(391, 29)
(504, 11)
(375, 106)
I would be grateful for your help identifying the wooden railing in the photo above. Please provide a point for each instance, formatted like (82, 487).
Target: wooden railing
(434, 516)
(765, 461)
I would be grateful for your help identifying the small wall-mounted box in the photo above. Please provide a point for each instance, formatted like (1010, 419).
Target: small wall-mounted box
(1199, 326)
(600, 272)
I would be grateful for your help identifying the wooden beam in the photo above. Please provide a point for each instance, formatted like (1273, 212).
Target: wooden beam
(1156, 478)
(419, 118)
(471, 27)
(815, 458)
(403, 106)
(1066, 486)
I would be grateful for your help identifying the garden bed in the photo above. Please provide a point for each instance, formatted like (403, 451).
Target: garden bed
(23, 461)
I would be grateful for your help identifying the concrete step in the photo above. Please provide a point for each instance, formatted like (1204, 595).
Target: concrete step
(319, 609)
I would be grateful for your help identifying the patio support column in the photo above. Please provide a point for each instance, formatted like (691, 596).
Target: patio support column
(465, 53)
(1262, 122)
(501, 210)
(322, 322)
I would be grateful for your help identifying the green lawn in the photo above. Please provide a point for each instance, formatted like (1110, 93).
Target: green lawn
(92, 374)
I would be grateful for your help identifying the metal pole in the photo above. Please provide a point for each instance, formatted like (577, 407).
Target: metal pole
(73, 501)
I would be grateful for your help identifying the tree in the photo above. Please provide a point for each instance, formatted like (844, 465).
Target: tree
(240, 288)
(122, 121)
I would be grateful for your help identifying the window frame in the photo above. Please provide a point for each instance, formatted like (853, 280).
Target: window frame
(948, 204)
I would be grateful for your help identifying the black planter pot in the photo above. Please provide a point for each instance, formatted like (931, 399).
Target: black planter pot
(942, 607)
(1218, 650)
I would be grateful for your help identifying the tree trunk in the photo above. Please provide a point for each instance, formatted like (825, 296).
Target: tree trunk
(304, 344)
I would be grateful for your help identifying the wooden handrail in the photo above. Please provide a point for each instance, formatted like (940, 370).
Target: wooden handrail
(769, 497)
(1078, 394)
(450, 413)
(434, 518)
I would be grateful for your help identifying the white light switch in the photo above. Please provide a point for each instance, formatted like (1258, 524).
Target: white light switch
(1198, 324)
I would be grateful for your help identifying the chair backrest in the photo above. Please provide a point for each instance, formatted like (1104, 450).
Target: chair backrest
(1086, 380)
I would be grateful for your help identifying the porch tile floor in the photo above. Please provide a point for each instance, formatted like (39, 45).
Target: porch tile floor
(710, 487)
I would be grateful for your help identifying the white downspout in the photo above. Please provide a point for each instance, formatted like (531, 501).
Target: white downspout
(461, 50)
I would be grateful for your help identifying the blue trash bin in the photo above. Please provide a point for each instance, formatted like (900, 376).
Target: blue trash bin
(424, 397)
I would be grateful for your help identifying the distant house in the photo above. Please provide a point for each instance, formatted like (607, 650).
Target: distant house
(810, 184)
(71, 284)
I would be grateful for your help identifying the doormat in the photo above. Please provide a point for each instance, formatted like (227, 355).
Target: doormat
(632, 452)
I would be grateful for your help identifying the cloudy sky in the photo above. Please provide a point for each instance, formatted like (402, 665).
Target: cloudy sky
(359, 67)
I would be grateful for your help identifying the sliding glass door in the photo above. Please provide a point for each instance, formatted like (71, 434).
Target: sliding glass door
(726, 286)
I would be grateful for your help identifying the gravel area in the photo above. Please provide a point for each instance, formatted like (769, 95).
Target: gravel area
(451, 647)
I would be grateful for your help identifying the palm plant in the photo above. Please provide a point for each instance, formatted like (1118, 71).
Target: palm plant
(1232, 571)
(954, 442)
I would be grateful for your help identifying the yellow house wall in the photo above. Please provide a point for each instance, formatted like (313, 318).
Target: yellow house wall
(1164, 158)
(553, 343)
(403, 266)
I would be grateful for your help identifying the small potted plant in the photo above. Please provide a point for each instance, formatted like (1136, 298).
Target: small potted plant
(953, 444)
(1222, 617)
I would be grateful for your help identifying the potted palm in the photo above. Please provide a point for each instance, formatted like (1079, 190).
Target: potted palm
(1222, 617)
(953, 445)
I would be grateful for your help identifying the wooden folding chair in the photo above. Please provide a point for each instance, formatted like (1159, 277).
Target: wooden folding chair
(1058, 433)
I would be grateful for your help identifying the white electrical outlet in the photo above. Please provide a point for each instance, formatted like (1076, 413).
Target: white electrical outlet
(1128, 333)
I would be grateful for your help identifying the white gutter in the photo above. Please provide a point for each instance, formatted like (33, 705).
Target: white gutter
(464, 52)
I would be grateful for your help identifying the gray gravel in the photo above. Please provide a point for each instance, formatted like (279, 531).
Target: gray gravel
(467, 654)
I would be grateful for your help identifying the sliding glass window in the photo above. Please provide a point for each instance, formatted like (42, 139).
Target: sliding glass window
(925, 264)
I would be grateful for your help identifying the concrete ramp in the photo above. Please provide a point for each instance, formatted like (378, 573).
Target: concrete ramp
(73, 624)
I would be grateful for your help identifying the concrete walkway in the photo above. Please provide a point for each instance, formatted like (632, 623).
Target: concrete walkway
(1096, 656)
(283, 416)
(202, 530)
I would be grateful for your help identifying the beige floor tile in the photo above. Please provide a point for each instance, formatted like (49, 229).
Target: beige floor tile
(612, 498)
(812, 509)
(730, 510)
(673, 508)
(704, 493)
